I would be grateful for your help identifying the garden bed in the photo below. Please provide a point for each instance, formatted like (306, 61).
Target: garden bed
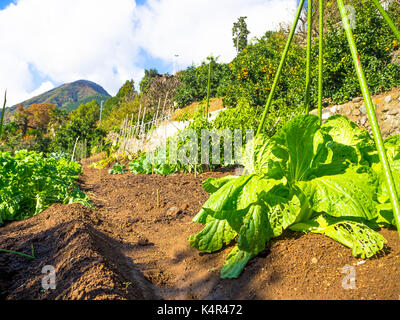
(131, 247)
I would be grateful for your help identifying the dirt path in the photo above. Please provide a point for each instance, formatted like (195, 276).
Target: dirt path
(130, 247)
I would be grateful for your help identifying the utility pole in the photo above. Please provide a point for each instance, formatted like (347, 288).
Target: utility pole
(175, 60)
(101, 109)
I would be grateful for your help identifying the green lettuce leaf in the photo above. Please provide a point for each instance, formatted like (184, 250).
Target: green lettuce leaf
(351, 194)
(363, 241)
(214, 236)
(392, 146)
(233, 199)
(212, 185)
(258, 158)
(383, 191)
(352, 143)
(385, 217)
(235, 263)
(255, 231)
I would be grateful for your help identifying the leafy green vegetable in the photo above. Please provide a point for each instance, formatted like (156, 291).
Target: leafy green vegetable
(117, 169)
(392, 146)
(310, 178)
(30, 182)
(214, 236)
(353, 234)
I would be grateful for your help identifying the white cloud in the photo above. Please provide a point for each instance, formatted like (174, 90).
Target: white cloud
(44, 87)
(197, 28)
(66, 40)
(100, 40)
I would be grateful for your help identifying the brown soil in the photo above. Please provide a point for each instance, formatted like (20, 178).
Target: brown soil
(130, 247)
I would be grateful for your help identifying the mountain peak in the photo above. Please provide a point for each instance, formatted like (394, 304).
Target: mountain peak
(68, 96)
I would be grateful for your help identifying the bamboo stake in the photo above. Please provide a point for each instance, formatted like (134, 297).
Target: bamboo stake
(320, 57)
(278, 74)
(371, 115)
(165, 102)
(158, 108)
(308, 65)
(73, 152)
(208, 87)
(387, 18)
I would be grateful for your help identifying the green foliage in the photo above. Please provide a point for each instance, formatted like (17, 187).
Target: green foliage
(3, 111)
(30, 182)
(74, 105)
(158, 162)
(127, 90)
(240, 34)
(375, 43)
(11, 139)
(194, 82)
(82, 124)
(253, 71)
(117, 169)
(125, 108)
(247, 117)
(145, 83)
(126, 93)
(154, 165)
(311, 178)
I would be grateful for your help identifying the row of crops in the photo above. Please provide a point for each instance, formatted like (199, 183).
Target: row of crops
(31, 182)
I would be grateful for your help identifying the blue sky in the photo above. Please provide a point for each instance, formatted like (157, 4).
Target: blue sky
(45, 43)
(4, 3)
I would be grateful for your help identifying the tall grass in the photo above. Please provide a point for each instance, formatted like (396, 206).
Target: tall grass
(2, 114)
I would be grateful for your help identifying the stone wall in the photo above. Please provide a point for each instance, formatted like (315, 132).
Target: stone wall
(387, 109)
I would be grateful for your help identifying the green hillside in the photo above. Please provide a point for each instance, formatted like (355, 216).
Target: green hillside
(67, 96)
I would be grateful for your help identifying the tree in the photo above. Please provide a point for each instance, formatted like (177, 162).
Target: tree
(240, 34)
(126, 93)
(83, 124)
(160, 92)
(39, 116)
(21, 118)
(194, 81)
(57, 119)
(36, 117)
(146, 81)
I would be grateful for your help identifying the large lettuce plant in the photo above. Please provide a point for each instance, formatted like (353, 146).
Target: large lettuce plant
(323, 179)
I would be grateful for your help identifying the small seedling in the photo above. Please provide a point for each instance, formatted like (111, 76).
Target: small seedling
(19, 253)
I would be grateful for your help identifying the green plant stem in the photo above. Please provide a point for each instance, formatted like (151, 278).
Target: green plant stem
(308, 64)
(320, 57)
(387, 18)
(280, 68)
(2, 114)
(371, 115)
(208, 88)
(20, 254)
